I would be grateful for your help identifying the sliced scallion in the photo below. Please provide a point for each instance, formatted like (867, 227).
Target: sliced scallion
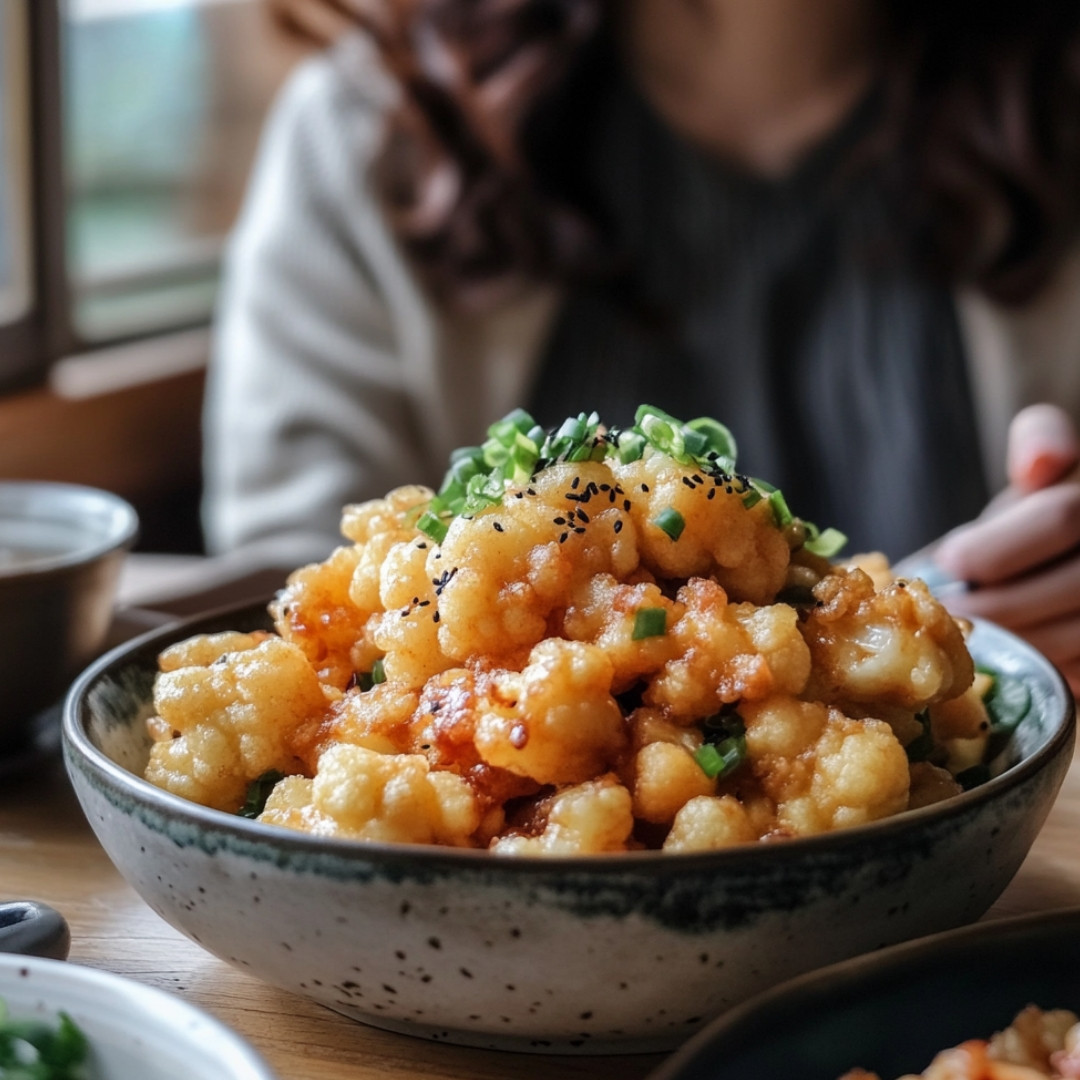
(649, 622)
(671, 521)
(432, 526)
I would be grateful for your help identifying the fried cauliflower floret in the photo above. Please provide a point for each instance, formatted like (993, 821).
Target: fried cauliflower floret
(203, 649)
(407, 631)
(511, 566)
(556, 721)
(822, 769)
(728, 652)
(963, 717)
(898, 646)
(930, 784)
(707, 823)
(314, 612)
(587, 819)
(604, 612)
(375, 527)
(378, 719)
(739, 546)
(224, 724)
(364, 795)
(665, 778)
(394, 514)
(1039, 1039)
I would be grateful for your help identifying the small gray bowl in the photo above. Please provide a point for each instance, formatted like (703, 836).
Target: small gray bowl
(61, 550)
(613, 954)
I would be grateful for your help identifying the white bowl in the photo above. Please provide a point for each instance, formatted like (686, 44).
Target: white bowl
(135, 1032)
(597, 954)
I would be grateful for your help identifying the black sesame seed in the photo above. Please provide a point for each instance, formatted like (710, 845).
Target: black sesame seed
(583, 516)
(497, 526)
(435, 617)
(574, 484)
(558, 521)
(562, 538)
(626, 504)
(712, 492)
(645, 488)
(618, 526)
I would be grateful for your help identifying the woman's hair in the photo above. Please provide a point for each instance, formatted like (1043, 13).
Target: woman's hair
(979, 137)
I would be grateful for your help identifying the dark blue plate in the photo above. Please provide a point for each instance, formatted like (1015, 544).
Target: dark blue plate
(893, 1010)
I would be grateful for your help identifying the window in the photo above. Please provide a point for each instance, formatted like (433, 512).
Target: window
(15, 242)
(163, 104)
(133, 123)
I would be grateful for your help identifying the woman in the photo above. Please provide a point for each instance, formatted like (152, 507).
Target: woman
(844, 228)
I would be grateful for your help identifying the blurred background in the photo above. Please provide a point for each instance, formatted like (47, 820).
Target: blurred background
(128, 128)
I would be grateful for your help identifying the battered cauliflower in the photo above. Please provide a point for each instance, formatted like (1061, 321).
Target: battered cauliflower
(897, 646)
(230, 714)
(587, 641)
(364, 795)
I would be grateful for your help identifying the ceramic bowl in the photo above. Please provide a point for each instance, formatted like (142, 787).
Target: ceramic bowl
(892, 1011)
(612, 954)
(134, 1032)
(61, 549)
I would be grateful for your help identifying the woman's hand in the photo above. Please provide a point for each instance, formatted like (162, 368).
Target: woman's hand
(1021, 557)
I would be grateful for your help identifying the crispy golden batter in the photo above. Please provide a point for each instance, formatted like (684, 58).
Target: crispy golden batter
(611, 655)
(230, 714)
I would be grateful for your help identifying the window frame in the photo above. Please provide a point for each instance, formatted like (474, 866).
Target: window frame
(47, 333)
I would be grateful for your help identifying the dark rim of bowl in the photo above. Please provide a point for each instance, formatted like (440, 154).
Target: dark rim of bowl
(121, 538)
(83, 753)
(849, 973)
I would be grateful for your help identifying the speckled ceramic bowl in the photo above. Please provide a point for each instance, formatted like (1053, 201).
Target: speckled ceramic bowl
(626, 953)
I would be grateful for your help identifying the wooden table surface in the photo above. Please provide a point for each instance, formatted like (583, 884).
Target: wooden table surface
(48, 853)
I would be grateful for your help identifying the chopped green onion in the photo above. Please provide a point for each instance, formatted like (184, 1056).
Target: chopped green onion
(631, 446)
(432, 526)
(781, 514)
(1007, 701)
(718, 760)
(827, 543)
(258, 792)
(517, 447)
(35, 1050)
(367, 679)
(718, 438)
(671, 521)
(649, 622)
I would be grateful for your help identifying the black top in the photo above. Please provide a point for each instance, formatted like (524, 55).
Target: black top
(782, 309)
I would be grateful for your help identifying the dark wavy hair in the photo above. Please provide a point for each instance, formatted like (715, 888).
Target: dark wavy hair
(979, 138)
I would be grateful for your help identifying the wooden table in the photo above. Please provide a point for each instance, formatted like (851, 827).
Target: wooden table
(48, 853)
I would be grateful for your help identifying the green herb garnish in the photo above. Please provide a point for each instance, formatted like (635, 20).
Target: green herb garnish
(257, 793)
(671, 521)
(33, 1050)
(1007, 701)
(517, 448)
(724, 749)
(367, 679)
(649, 622)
